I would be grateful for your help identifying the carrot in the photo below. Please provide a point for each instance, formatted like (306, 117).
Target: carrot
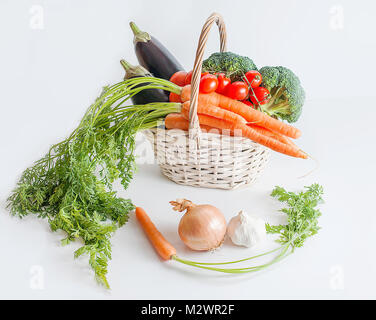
(272, 143)
(250, 133)
(211, 121)
(174, 97)
(216, 112)
(250, 114)
(275, 135)
(160, 244)
(177, 121)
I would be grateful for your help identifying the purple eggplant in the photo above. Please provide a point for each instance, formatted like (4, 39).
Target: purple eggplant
(147, 95)
(153, 55)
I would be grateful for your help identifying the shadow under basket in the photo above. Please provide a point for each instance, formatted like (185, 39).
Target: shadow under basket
(221, 161)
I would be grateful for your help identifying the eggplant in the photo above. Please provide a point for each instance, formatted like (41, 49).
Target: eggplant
(153, 55)
(147, 95)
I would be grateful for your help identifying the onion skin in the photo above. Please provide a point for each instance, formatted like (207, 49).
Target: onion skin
(202, 228)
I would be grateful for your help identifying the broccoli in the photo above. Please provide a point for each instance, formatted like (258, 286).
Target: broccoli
(233, 65)
(287, 95)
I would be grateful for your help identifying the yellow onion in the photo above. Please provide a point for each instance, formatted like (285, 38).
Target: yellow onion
(203, 227)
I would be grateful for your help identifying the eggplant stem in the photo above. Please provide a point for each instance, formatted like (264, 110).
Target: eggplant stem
(126, 65)
(136, 30)
(139, 36)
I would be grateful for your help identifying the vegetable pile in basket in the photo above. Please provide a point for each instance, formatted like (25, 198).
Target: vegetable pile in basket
(71, 186)
(250, 106)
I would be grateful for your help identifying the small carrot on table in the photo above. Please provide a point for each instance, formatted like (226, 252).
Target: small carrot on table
(165, 249)
(251, 115)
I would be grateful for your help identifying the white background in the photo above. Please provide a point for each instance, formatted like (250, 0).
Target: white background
(49, 76)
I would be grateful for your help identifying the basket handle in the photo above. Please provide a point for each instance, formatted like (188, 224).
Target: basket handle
(194, 125)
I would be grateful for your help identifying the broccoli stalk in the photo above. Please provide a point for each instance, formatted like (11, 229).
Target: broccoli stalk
(287, 95)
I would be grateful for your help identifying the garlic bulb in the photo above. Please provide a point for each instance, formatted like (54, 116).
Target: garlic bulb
(245, 230)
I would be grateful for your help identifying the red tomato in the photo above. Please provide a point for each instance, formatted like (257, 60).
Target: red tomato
(260, 95)
(178, 78)
(254, 78)
(174, 97)
(208, 83)
(223, 82)
(188, 77)
(247, 102)
(237, 90)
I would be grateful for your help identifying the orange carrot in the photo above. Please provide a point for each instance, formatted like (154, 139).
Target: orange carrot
(216, 112)
(177, 121)
(251, 115)
(160, 244)
(272, 143)
(275, 135)
(212, 121)
(250, 133)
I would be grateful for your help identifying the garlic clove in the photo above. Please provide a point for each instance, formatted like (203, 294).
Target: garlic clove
(246, 230)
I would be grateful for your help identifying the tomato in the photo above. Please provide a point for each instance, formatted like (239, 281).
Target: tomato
(178, 78)
(223, 82)
(247, 102)
(188, 77)
(174, 97)
(237, 90)
(260, 95)
(254, 78)
(208, 83)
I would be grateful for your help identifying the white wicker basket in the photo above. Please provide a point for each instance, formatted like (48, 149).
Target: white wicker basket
(203, 159)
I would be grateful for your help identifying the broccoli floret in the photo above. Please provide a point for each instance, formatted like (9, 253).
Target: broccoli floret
(287, 94)
(233, 65)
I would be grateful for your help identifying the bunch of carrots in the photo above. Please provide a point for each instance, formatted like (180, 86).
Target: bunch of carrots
(219, 112)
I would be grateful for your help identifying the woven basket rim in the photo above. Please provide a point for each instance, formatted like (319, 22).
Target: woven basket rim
(204, 134)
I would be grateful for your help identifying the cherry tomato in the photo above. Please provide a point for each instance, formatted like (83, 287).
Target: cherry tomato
(178, 78)
(208, 83)
(237, 90)
(254, 78)
(174, 97)
(223, 82)
(260, 95)
(188, 77)
(247, 102)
